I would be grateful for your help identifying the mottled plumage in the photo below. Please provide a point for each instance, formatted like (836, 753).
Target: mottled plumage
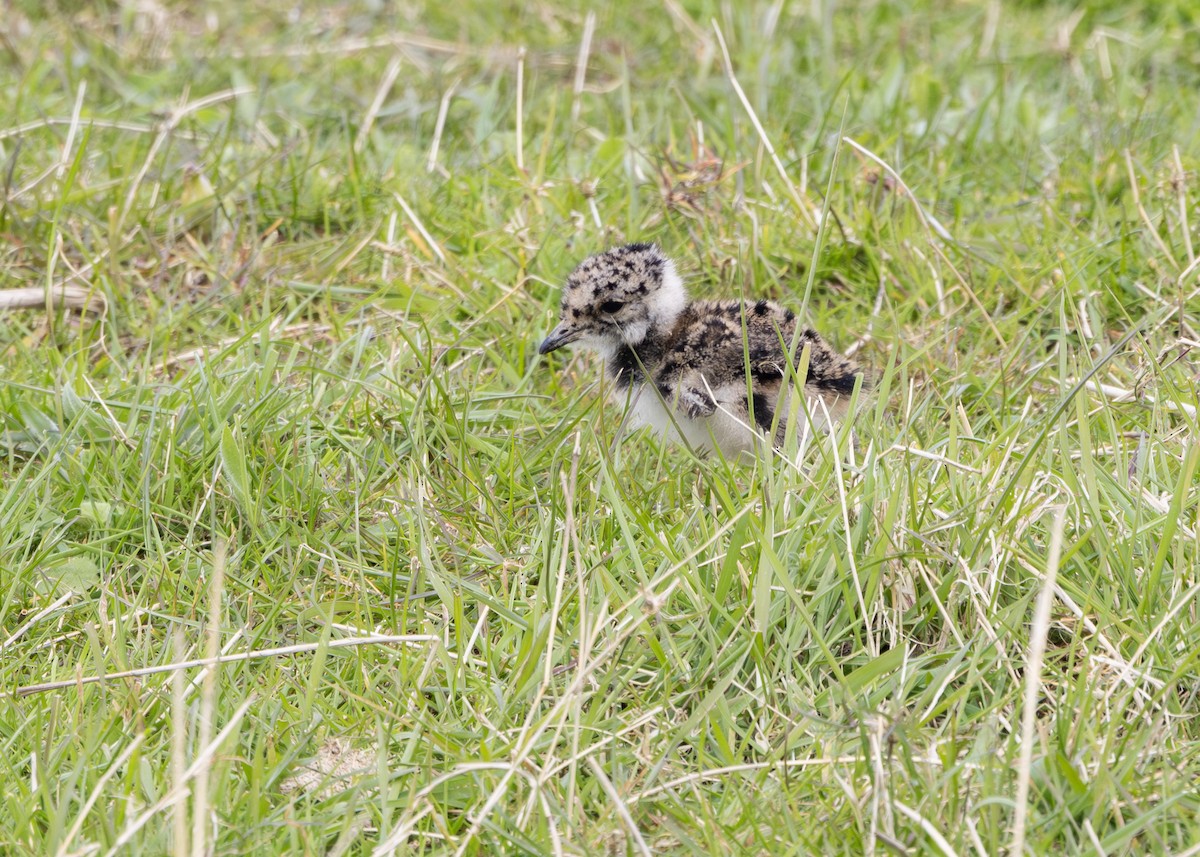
(688, 366)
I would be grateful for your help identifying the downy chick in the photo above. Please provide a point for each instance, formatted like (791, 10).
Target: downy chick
(683, 364)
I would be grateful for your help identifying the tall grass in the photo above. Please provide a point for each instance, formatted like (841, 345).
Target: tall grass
(304, 550)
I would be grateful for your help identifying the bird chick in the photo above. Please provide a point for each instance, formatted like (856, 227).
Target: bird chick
(711, 372)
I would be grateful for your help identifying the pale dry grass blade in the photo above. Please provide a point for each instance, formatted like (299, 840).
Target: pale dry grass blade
(180, 791)
(802, 207)
(179, 733)
(1151, 229)
(1186, 600)
(97, 791)
(713, 774)
(1119, 394)
(839, 477)
(35, 618)
(585, 48)
(56, 121)
(64, 161)
(521, 110)
(385, 86)
(164, 133)
(1038, 632)
(927, 826)
(72, 297)
(420, 227)
(278, 651)
(619, 805)
(927, 220)
(431, 162)
(215, 615)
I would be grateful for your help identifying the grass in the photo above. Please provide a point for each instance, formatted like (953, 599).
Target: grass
(464, 614)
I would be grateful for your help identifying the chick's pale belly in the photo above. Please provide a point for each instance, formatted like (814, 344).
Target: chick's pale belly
(722, 430)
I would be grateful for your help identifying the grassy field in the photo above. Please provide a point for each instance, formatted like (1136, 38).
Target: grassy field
(301, 423)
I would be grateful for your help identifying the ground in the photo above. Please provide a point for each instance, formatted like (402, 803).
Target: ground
(296, 416)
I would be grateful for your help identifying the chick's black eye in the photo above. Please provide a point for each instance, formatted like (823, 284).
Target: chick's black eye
(610, 307)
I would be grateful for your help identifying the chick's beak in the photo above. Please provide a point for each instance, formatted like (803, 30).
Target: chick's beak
(560, 336)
